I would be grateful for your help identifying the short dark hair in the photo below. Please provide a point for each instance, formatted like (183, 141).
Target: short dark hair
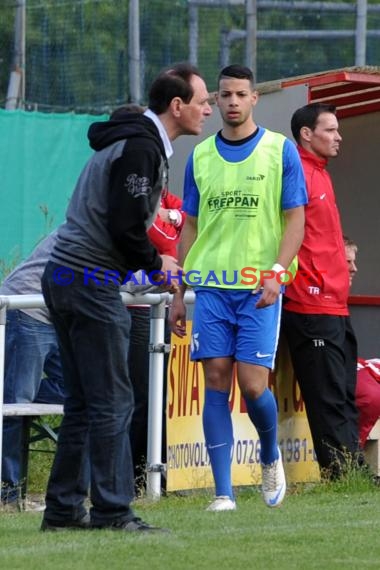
(172, 82)
(125, 110)
(307, 116)
(237, 72)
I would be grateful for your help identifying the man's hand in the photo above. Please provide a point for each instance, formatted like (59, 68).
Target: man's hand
(164, 215)
(177, 315)
(170, 275)
(270, 290)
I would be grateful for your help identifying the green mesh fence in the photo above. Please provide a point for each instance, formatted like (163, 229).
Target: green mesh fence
(41, 156)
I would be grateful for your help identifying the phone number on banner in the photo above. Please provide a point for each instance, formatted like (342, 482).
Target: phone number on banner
(293, 451)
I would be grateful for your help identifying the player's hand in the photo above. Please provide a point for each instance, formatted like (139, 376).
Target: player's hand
(270, 290)
(177, 315)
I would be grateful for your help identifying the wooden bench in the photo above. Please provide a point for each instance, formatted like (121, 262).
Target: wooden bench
(35, 428)
(372, 449)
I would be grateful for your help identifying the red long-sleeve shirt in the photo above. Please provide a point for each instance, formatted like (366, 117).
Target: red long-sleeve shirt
(321, 285)
(164, 235)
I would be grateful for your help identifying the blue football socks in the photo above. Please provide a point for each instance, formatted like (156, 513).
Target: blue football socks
(217, 427)
(263, 414)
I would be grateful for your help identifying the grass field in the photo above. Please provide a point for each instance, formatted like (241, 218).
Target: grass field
(329, 527)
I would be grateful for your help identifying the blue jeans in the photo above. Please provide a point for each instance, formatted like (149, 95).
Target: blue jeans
(93, 329)
(31, 350)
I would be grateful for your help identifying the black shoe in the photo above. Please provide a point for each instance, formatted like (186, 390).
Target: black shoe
(69, 524)
(134, 525)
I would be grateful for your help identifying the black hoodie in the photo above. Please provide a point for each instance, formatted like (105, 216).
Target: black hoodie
(115, 199)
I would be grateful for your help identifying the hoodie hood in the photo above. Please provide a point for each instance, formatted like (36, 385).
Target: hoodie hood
(105, 133)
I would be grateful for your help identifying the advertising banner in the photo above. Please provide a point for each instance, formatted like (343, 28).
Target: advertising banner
(187, 458)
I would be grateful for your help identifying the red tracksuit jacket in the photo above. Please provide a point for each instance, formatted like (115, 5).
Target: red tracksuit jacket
(321, 285)
(163, 235)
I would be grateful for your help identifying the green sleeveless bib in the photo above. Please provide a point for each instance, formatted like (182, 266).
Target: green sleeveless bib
(240, 220)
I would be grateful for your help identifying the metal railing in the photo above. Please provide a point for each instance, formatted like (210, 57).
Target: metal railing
(158, 303)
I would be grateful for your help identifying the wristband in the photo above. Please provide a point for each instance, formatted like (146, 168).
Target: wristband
(278, 268)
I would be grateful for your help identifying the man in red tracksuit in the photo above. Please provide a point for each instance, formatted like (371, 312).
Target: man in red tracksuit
(316, 320)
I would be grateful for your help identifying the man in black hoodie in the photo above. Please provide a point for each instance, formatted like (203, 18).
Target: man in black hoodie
(101, 242)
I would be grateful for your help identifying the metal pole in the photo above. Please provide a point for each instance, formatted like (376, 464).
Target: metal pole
(361, 31)
(251, 37)
(308, 5)
(193, 34)
(134, 52)
(16, 87)
(3, 319)
(155, 466)
(22, 16)
(224, 56)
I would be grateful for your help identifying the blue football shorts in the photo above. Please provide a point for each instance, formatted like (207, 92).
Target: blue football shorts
(226, 323)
